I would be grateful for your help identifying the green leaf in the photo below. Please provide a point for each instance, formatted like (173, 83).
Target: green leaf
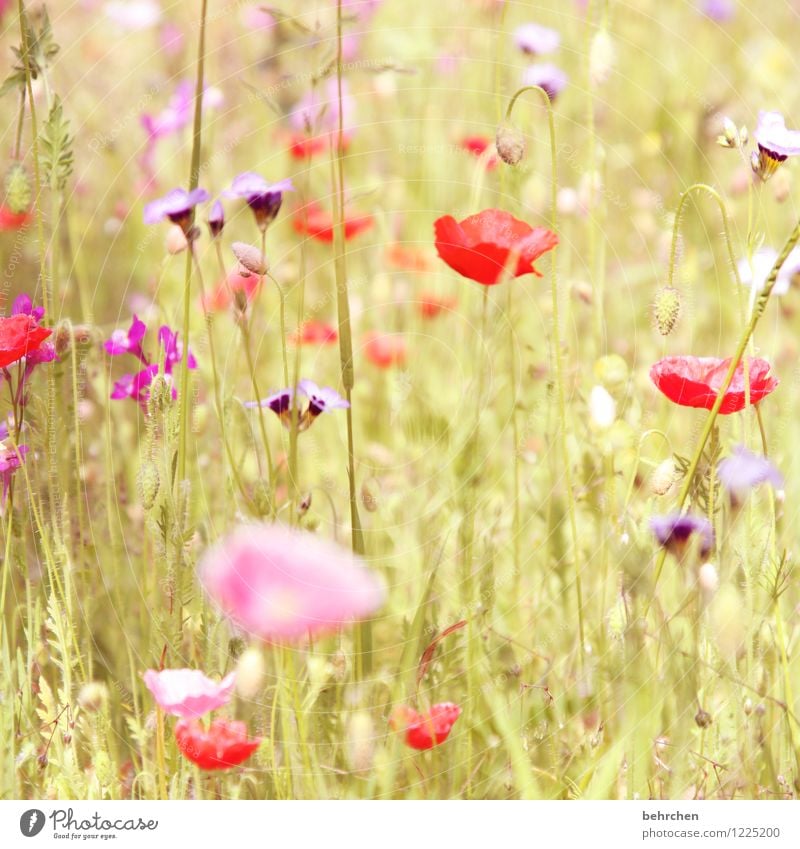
(56, 155)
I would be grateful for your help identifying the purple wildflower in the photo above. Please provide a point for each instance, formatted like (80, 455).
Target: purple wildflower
(216, 219)
(176, 205)
(775, 143)
(317, 112)
(534, 39)
(675, 531)
(549, 77)
(321, 399)
(720, 11)
(128, 341)
(262, 197)
(743, 471)
(279, 402)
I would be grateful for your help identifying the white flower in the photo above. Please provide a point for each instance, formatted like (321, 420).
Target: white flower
(763, 260)
(602, 407)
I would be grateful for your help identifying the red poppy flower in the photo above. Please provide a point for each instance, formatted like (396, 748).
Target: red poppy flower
(479, 246)
(223, 296)
(696, 381)
(431, 305)
(223, 745)
(315, 333)
(405, 258)
(302, 146)
(314, 221)
(425, 730)
(384, 349)
(477, 146)
(19, 335)
(10, 220)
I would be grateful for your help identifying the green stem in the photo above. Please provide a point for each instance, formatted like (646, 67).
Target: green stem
(194, 176)
(364, 630)
(557, 355)
(758, 311)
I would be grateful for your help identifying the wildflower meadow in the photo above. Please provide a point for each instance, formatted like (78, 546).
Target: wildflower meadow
(398, 401)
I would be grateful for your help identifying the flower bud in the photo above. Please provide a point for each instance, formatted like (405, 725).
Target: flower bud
(250, 673)
(175, 241)
(602, 55)
(666, 309)
(18, 189)
(250, 258)
(664, 477)
(730, 135)
(510, 144)
(708, 581)
(361, 738)
(93, 696)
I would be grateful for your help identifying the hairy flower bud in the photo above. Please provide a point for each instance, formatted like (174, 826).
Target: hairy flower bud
(510, 144)
(666, 309)
(18, 189)
(250, 258)
(250, 673)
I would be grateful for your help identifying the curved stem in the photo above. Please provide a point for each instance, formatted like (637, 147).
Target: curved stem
(758, 311)
(726, 230)
(562, 407)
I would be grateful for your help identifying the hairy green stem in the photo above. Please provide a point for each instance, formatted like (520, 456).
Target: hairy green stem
(557, 356)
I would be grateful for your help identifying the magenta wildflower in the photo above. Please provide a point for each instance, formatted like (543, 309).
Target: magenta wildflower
(10, 460)
(137, 385)
(535, 39)
(549, 77)
(743, 471)
(262, 197)
(128, 341)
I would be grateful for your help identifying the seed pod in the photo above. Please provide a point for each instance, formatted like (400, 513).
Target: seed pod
(93, 696)
(703, 718)
(666, 309)
(250, 258)
(18, 189)
(510, 144)
(664, 477)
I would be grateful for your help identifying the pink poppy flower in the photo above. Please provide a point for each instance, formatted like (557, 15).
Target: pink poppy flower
(278, 583)
(188, 693)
